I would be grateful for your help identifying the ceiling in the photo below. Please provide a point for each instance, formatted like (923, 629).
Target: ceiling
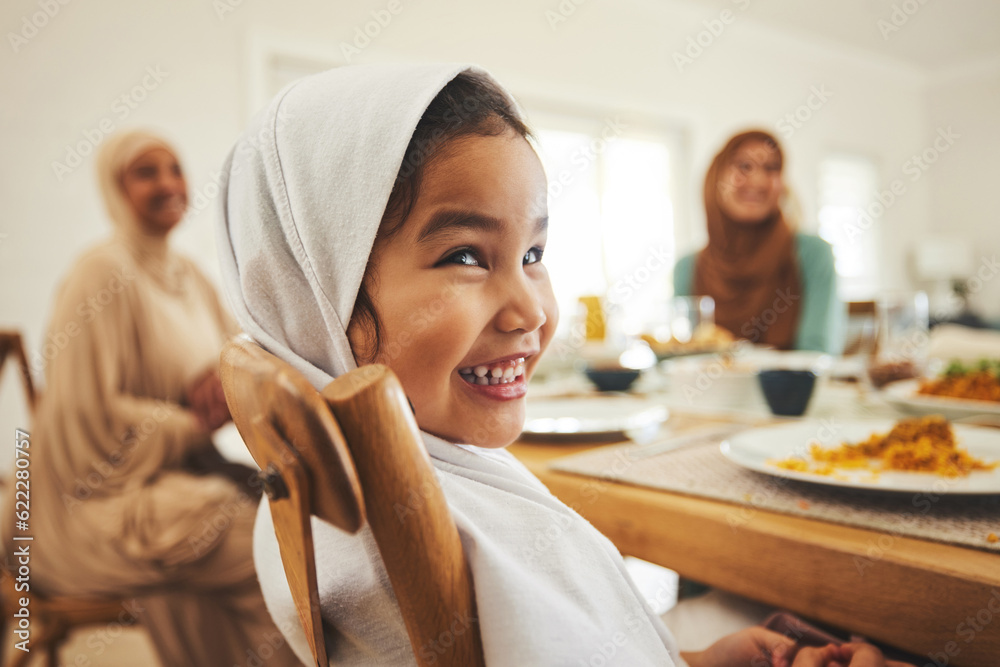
(935, 35)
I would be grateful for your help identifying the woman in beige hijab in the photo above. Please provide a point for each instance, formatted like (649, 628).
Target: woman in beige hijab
(122, 505)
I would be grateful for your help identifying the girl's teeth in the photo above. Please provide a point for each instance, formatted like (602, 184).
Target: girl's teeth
(502, 373)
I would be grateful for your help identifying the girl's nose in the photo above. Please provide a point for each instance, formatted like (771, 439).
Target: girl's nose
(522, 307)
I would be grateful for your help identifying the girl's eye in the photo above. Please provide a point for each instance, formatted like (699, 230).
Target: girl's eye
(464, 257)
(533, 256)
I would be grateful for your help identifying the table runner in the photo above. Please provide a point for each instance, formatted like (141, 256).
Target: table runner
(698, 468)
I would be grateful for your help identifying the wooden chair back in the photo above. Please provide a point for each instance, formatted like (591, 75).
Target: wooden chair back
(348, 454)
(12, 345)
(53, 617)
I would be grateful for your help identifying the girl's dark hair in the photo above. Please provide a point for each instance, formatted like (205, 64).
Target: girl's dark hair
(470, 104)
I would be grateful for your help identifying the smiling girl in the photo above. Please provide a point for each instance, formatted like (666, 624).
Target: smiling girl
(397, 214)
(465, 370)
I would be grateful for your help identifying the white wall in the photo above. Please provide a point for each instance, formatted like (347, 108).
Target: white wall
(965, 180)
(605, 56)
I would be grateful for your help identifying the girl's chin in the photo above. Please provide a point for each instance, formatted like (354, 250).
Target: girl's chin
(487, 442)
(488, 433)
(500, 444)
(497, 437)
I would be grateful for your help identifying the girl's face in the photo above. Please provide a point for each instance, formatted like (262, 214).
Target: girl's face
(463, 297)
(750, 185)
(154, 184)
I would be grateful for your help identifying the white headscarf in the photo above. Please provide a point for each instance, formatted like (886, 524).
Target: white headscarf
(307, 187)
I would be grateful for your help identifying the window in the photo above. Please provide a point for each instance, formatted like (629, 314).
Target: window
(849, 222)
(611, 214)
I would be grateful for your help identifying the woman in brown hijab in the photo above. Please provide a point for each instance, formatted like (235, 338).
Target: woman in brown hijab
(119, 506)
(771, 285)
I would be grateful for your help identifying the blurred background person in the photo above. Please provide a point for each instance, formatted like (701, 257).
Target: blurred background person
(771, 285)
(130, 495)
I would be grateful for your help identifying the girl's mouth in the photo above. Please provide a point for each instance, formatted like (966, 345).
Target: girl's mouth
(502, 372)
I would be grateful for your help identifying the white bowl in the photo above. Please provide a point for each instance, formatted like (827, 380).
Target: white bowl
(730, 381)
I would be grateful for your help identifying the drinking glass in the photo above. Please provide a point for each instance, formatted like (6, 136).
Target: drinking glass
(690, 315)
(901, 326)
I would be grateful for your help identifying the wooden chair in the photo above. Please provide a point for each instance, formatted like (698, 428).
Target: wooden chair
(862, 325)
(348, 454)
(11, 345)
(52, 618)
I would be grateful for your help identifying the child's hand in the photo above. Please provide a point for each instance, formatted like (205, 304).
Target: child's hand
(845, 655)
(751, 646)
(809, 656)
(865, 655)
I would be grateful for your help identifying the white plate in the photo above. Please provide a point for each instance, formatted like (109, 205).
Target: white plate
(903, 395)
(754, 449)
(592, 416)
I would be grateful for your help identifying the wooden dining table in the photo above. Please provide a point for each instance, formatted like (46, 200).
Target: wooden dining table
(936, 600)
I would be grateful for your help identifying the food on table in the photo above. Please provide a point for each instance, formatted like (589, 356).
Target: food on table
(919, 444)
(980, 381)
(706, 337)
(883, 373)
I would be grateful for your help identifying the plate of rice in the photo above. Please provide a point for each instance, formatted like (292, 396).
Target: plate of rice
(962, 390)
(917, 455)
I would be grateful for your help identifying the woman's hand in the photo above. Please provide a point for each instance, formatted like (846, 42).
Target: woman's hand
(208, 401)
(751, 647)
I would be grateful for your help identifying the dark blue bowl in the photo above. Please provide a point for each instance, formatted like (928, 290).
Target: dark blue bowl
(617, 379)
(787, 392)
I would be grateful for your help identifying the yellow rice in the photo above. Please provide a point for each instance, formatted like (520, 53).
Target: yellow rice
(920, 444)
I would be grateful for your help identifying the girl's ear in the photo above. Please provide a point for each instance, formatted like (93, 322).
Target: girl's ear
(364, 329)
(364, 345)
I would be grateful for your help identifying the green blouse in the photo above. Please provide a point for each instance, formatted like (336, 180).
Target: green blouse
(822, 314)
